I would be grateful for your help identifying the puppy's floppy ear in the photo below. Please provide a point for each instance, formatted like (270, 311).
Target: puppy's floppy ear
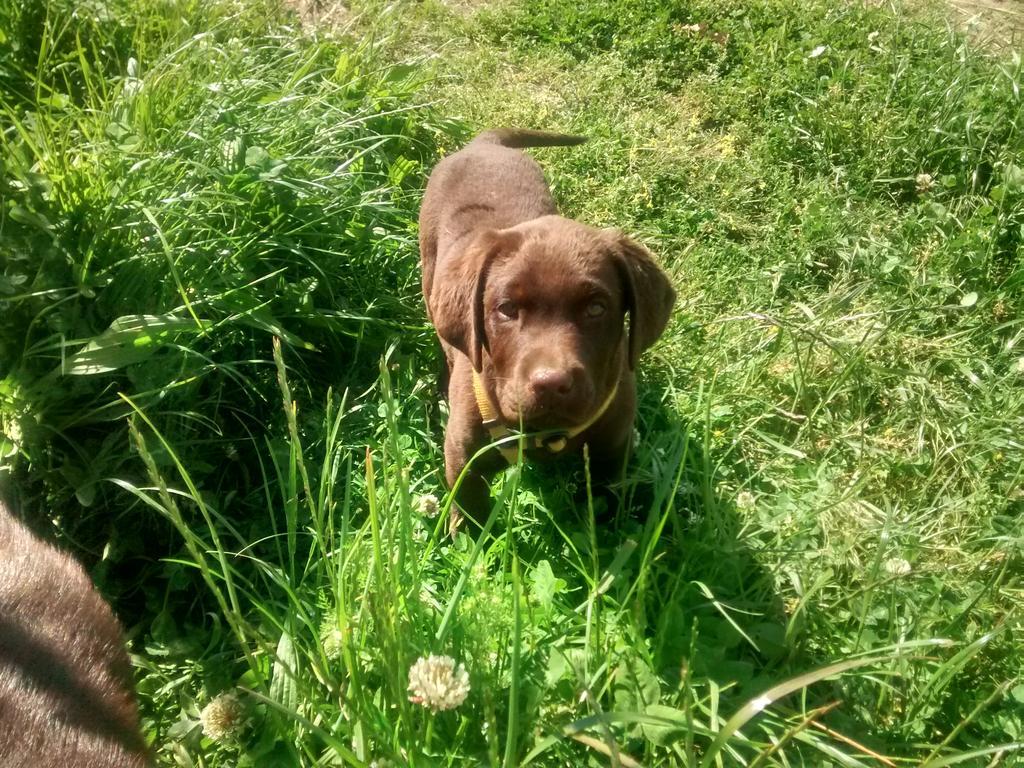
(649, 295)
(457, 297)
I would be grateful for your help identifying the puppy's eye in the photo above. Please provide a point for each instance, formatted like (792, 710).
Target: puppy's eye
(596, 309)
(507, 310)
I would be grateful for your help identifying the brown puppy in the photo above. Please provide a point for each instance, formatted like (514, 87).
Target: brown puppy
(530, 308)
(66, 697)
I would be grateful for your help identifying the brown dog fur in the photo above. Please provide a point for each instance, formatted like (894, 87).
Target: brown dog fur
(66, 697)
(536, 304)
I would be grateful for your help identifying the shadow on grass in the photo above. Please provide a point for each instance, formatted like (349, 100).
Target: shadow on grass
(672, 555)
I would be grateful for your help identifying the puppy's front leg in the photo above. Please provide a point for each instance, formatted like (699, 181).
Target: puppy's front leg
(610, 444)
(464, 436)
(460, 443)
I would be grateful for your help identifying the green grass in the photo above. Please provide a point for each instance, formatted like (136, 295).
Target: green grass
(817, 559)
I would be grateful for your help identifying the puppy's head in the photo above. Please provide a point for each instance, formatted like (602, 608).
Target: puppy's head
(540, 309)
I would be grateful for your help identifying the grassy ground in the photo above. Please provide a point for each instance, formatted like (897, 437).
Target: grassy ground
(817, 559)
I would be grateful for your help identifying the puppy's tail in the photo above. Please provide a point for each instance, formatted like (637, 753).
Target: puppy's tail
(520, 138)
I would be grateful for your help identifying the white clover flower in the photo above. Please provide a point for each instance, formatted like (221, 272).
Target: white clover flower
(924, 182)
(427, 505)
(897, 566)
(745, 500)
(435, 682)
(224, 717)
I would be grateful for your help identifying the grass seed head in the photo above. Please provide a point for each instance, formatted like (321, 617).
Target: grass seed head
(333, 639)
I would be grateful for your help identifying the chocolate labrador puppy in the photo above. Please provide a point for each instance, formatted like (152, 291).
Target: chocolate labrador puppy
(530, 308)
(66, 693)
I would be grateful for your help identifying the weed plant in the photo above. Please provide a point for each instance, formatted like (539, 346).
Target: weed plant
(219, 386)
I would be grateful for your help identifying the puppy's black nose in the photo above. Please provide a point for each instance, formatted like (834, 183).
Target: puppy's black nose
(550, 382)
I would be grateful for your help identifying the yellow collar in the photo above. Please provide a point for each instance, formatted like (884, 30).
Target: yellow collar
(554, 442)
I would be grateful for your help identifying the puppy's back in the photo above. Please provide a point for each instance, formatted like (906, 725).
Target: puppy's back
(488, 184)
(522, 138)
(66, 697)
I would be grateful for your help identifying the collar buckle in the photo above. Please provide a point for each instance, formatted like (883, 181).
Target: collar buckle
(555, 443)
